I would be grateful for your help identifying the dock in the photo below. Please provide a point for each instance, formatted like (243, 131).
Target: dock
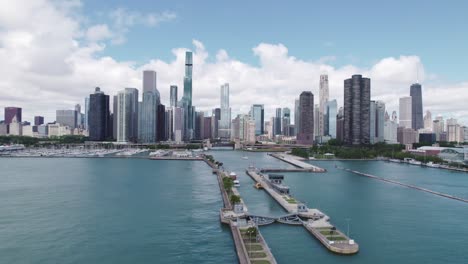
(316, 222)
(296, 162)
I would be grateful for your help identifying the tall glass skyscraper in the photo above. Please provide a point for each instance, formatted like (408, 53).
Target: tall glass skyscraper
(187, 98)
(331, 113)
(277, 122)
(258, 115)
(98, 116)
(416, 106)
(147, 113)
(127, 115)
(357, 91)
(173, 94)
(225, 121)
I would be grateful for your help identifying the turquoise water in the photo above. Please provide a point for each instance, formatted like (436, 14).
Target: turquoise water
(142, 211)
(110, 211)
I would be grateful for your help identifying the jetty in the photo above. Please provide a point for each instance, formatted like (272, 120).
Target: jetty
(406, 185)
(297, 162)
(314, 221)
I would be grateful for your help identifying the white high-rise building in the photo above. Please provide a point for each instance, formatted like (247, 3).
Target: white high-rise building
(225, 120)
(405, 112)
(323, 94)
(428, 121)
(332, 108)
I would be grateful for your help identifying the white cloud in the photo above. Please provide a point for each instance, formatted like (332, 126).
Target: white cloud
(45, 66)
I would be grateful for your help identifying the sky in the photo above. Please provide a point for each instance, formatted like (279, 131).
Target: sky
(53, 53)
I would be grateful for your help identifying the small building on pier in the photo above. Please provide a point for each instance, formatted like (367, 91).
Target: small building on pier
(276, 181)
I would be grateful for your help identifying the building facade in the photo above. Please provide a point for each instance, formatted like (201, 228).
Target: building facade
(406, 112)
(357, 92)
(416, 107)
(224, 126)
(258, 115)
(127, 115)
(305, 134)
(323, 94)
(98, 116)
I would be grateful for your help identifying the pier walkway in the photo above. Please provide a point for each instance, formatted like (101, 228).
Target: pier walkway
(295, 161)
(316, 222)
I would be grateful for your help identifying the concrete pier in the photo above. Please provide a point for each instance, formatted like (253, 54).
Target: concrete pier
(295, 161)
(317, 223)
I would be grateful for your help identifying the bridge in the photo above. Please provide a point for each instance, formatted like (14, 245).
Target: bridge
(290, 219)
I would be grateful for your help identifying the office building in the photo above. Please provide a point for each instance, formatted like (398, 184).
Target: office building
(127, 115)
(285, 121)
(38, 120)
(178, 124)
(407, 135)
(330, 118)
(323, 94)
(357, 92)
(258, 115)
(406, 112)
(186, 101)
(277, 123)
(216, 114)
(67, 118)
(11, 113)
(296, 115)
(416, 106)
(173, 96)
(161, 129)
(428, 120)
(305, 134)
(99, 116)
(86, 113)
(148, 110)
(225, 118)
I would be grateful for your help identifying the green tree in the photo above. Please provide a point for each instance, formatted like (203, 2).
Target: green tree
(235, 199)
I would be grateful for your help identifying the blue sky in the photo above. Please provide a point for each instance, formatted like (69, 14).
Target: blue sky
(355, 32)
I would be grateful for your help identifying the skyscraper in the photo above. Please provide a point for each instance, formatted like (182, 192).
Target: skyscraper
(331, 113)
(127, 115)
(98, 116)
(372, 122)
(379, 121)
(216, 114)
(11, 113)
(187, 98)
(323, 94)
(161, 123)
(305, 134)
(340, 125)
(296, 114)
(173, 94)
(86, 113)
(147, 113)
(428, 120)
(277, 123)
(357, 110)
(416, 106)
(405, 112)
(225, 121)
(67, 118)
(258, 115)
(286, 121)
(38, 120)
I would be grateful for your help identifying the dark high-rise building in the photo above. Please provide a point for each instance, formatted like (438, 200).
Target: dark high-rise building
(198, 126)
(173, 94)
(277, 122)
(416, 107)
(206, 133)
(114, 117)
(38, 120)
(13, 113)
(215, 122)
(357, 110)
(99, 116)
(305, 134)
(161, 123)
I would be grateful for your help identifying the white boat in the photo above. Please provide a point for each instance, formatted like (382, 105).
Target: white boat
(433, 165)
(414, 162)
(236, 183)
(245, 157)
(395, 160)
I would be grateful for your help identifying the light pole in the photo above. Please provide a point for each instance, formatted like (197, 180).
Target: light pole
(347, 220)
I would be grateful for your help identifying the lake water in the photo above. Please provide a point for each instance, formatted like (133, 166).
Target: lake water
(143, 211)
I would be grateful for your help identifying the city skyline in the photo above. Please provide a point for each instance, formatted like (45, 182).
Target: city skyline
(273, 69)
